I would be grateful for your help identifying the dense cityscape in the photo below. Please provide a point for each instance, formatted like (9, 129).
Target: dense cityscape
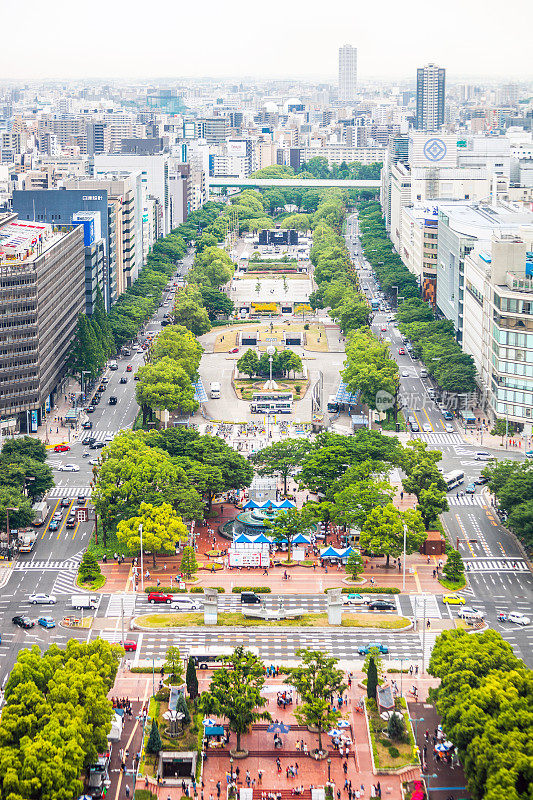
(266, 435)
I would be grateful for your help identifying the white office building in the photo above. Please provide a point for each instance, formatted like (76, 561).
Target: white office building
(347, 72)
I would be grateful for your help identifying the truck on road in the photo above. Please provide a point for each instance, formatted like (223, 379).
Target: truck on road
(26, 540)
(40, 511)
(214, 390)
(80, 601)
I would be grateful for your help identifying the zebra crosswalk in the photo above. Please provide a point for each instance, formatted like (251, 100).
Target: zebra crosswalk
(427, 605)
(98, 436)
(119, 603)
(496, 565)
(68, 564)
(467, 500)
(69, 491)
(439, 438)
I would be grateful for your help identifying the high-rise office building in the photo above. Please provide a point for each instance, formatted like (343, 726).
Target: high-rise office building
(347, 72)
(430, 89)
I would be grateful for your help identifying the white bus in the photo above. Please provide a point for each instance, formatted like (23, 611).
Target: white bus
(214, 656)
(453, 479)
(271, 403)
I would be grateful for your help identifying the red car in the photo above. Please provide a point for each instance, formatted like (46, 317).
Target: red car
(129, 644)
(129, 368)
(401, 351)
(61, 448)
(157, 597)
(235, 350)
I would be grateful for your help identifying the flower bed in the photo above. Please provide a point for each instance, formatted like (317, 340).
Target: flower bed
(388, 755)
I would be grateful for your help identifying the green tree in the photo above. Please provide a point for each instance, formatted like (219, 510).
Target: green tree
(431, 503)
(177, 343)
(183, 708)
(25, 447)
(369, 368)
(189, 312)
(191, 679)
(29, 476)
(248, 363)
(173, 665)
(188, 564)
(154, 743)
(371, 679)
(354, 503)
(396, 727)
(11, 497)
(454, 568)
(235, 693)
(383, 531)
(286, 527)
(89, 567)
(165, 385)
(317, 680)
(162, 530)
(354, 565)
(217, 303)
(280, 458)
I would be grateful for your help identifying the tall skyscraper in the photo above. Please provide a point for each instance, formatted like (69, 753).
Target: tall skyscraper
(430, 89)
(347, 72)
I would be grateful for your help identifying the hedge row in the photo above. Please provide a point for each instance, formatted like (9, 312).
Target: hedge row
(370, 590)
(174, 590)
(256, 589)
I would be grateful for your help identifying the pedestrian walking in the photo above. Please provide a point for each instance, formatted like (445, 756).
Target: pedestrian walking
(127, 789)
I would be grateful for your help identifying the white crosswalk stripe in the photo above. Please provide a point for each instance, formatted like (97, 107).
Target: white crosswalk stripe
(69, 564)
(427, 641)
(99, 436)
(467, 500)
(65, 583)
(69, 491)
(119, 602)
(433, 610)
(440, 438)
(496, 565)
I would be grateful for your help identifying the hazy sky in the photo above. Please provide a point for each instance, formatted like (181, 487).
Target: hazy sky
(106, 38)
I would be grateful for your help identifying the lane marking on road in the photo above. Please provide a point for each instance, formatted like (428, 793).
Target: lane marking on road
(417, 581)
(85, 505)
(427, 415)
(457, 517)
(47, 528)
(501, 547)
(65, 520)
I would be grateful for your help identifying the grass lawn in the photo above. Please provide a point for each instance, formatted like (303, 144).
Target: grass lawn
(92, 586)
(383, 748)
(453, 586)
(245, 388)
(238, 620)
(226, 341)
(187, 741)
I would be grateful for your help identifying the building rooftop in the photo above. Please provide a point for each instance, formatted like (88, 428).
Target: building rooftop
(22, 241)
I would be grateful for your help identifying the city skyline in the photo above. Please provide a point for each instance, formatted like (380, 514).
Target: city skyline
(228, 45)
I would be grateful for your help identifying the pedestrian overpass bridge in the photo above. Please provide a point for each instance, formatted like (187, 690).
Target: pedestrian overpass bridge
(291, 183)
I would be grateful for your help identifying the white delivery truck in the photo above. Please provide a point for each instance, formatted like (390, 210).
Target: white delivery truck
(26, 540)
(214, 390)
(80, 601)
(40, 511)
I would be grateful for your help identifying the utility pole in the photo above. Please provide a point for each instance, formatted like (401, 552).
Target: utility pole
(122, 618)
(424, 639)
(142, 570)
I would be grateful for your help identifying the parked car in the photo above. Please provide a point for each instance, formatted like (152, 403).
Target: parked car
(61, 448)
(234, 350)
(42, 598)
(454, 599)
(381, 605)
(54, 524)
(518, 618)
(250, 597)
(356, 599)
(23, 622)
(158, 597)
(365, 650)
(46, 622)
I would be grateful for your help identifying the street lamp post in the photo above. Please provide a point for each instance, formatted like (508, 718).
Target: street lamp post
(404, 553)
(142, 570)
(416, 721)
(8, 509)
(428, 778)
(329, 769)
(231, 768)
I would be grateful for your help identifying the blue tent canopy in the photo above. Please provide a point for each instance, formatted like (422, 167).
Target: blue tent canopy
(348, 552)
(214, 730)
(285, 504)
(261, 539)
(301, 539)
(268, 504)
(242, 539)
(331, 552)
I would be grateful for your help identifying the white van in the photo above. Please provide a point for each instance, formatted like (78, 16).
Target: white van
(214, 390)
(423, 373)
